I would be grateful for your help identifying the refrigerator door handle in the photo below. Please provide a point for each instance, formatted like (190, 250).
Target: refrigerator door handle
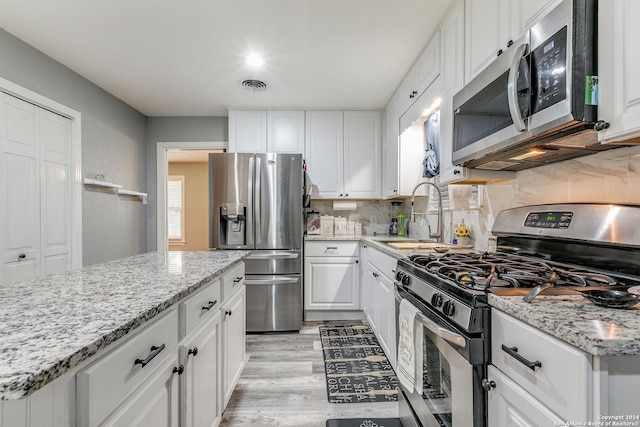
(250, 212)
(277, 255)
(257, 202)
(270, 281)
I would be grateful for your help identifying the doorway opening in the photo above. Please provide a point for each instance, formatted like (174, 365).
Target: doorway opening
(183, 195)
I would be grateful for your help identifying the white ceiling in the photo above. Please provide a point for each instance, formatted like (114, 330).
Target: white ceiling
(186, 57)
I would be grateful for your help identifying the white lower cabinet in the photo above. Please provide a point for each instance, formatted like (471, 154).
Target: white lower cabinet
(201, 386)
(377, 289)
(510, 405)
(331, 275)
(554, 376)
(233, 341)
(155, 404)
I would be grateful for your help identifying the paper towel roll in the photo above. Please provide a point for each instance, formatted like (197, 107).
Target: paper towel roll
(341, 205)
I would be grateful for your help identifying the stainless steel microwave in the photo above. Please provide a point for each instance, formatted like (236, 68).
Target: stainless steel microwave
(537, 102)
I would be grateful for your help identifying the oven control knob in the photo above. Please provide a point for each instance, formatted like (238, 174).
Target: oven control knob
(449, 308)
(436, 300)
(399, 276)
(406, 280)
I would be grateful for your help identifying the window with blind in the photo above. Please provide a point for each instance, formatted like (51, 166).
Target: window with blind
(175, 208)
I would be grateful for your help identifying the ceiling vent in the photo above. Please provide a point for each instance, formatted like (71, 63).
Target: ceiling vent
(253, 84)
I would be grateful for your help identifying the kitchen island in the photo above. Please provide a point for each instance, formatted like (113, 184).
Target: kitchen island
(53, 325)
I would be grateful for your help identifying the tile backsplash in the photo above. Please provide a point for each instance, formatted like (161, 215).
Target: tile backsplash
(607, 177)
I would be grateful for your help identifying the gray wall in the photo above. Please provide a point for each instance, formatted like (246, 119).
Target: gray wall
(175, 129)
(113, 143)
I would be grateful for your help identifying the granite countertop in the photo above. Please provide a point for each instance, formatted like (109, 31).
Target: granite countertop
(51, 324)
(573, 319)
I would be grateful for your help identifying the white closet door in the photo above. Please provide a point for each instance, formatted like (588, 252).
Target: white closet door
(35, 185)
(19, 190)
(55, 145)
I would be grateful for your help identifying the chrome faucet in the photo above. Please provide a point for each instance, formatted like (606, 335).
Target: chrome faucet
(438, 234)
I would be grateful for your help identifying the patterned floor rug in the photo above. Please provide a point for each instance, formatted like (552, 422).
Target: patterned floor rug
(364, 422)
(356, 367)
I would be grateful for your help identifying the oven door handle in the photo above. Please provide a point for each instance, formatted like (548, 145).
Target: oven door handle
(445, 334)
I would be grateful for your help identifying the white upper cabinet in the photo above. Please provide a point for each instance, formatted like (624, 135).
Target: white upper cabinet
(362, 146)
(424, 71)
(619, 68)
(247, 131)
(342, 150)
(452, 31)
(493, 25)
(324, 145)
(260, 131)
(285, 131)
(390, 149)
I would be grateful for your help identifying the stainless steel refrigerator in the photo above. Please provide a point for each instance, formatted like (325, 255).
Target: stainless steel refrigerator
(255, 203)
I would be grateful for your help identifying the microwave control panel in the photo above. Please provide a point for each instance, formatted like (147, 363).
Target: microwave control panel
(549, 65)
(548, 219)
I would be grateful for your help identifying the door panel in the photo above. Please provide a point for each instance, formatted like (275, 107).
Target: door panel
(278, 201)
(274, 303)
(21, 207)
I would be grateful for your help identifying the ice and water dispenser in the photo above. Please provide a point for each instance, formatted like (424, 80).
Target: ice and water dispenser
(233, 224)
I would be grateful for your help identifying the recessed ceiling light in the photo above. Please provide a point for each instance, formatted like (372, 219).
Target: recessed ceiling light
(255, 60)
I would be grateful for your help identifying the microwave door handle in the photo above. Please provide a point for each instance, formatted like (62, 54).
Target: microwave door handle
(512, 89)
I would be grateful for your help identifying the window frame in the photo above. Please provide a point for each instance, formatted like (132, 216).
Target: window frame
(182, 239)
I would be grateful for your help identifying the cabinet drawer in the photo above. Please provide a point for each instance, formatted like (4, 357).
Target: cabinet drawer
(385, 263)
(105, 384)
(562, 380)
(232, 281)
(198, 307)
(332, 248)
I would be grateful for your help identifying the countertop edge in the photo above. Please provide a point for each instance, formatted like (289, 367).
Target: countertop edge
(21, 388)
(567, 330)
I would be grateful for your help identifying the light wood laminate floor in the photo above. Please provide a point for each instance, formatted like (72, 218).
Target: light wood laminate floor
(283, 385)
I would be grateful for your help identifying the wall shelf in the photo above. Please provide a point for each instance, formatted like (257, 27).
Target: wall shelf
(89, 181)
(119, 190)
(140, 194)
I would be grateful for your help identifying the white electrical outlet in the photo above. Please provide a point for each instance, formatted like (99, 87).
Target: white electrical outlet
(373, 219)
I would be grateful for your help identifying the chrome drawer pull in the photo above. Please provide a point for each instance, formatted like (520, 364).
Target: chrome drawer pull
(155, 350)
(513, 352)
(210, 306)
(237, 280)
(332, 248)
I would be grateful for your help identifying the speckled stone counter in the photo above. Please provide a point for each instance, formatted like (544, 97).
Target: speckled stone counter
(575, 320)
(51, 324)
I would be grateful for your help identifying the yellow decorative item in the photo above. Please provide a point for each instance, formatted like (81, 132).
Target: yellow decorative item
(463, 234)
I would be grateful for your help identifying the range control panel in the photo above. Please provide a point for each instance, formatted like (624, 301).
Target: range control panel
(548, 219)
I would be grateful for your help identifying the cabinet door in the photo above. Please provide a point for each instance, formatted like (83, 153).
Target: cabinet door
(619, 68)
(19, 190)
(201, 405)
(331, 283)
(527, 13)
(452, 39)
(233, 341)
(285, 132)
(362, 145)
(488, 30)
(390, 149)
(387, 317)
(247, 131)
(324, 152)
(510, 405)
(155, 404)
(427, 66)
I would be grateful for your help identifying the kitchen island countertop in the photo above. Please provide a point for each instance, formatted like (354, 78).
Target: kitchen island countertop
(51, 324)
(575, 320)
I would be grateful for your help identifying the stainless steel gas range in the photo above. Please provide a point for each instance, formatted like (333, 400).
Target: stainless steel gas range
(591, 249)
